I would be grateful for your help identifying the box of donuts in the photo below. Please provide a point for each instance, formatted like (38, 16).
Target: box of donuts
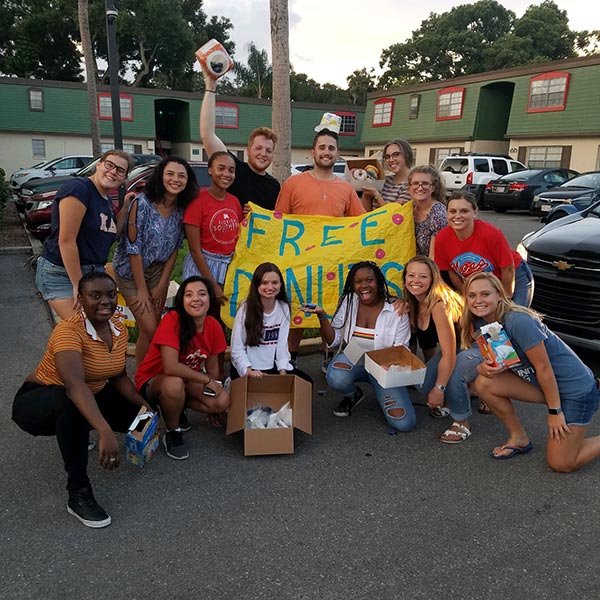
(364, 172)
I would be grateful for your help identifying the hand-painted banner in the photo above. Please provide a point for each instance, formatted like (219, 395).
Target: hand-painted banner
(315, 254)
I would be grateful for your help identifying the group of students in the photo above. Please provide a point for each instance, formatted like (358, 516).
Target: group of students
(81, 382)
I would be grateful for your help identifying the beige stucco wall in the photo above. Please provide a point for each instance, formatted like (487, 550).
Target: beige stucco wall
(584, 154)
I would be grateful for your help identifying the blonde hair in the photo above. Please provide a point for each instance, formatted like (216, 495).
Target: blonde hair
(438, 292)
(505, 305)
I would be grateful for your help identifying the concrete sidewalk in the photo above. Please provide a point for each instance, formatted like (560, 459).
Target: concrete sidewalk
(355, 513)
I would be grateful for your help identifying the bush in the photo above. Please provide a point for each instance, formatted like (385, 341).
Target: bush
(4, 193)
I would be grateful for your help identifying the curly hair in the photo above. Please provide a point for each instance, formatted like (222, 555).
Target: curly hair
(155, 188)
(253, 323)
(438, 292)
(383, 291)
(265, 132)
(187, 327)
(505, 304)
(438, 189)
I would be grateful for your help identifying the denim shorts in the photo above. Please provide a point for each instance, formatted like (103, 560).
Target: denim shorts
(579, 411)
(53, 281)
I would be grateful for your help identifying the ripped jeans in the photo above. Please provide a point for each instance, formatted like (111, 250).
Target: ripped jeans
(342, 376)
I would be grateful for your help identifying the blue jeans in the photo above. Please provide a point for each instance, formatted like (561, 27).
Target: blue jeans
(457, 394)
(523, 294)
(343, 380)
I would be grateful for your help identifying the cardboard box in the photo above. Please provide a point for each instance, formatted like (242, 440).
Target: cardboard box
(141, 441)
(377, 363)
(274, 391)
(361, 163)
(495, 345)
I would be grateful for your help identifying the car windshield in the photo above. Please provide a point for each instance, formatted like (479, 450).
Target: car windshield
(588, 180)
(519, 175)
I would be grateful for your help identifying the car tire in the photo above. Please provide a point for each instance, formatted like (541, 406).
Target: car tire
(499, 209)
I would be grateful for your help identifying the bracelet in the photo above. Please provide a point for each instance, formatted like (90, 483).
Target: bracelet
(324, 318)
(210, 91)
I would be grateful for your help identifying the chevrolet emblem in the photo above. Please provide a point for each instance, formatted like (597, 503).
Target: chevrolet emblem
(562, 265)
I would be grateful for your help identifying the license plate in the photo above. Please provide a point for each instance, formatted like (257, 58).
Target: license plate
(545, 208)
(500, 189)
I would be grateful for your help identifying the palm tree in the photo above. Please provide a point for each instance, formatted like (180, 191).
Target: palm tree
(282, 113)
(90, 73)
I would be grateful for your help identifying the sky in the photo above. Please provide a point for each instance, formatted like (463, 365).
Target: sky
(329, 39)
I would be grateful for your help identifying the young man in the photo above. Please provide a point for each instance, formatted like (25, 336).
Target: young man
(252, 182)
(318, 192)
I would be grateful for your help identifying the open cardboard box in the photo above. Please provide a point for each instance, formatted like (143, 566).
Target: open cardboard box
(361, 163)
(274, 391)
(141, 441)
(378, 361)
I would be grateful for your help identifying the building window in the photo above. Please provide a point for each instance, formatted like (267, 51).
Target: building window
(548, 92)
(544, 157)
(442, 153)
(36, 100)
(105, 106)
(226, 115)
(415, 101)
(38, 148)
(131, 148)
(450, 103)
(348, 126)
(382, 112)
(598, 160)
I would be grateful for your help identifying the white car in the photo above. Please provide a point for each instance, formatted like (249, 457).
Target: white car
(64, 165)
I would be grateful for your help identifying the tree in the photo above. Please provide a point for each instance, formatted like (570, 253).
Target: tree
(90, 73)
(254, 80)
(281, 108)
(360, 83)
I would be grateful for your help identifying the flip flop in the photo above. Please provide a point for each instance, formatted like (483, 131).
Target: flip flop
(514, 450)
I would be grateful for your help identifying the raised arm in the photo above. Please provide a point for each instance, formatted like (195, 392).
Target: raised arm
(210, 141)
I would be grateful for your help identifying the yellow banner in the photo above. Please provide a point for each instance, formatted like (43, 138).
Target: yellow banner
(315, 253)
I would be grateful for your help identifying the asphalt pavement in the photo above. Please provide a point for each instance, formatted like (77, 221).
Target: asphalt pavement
(355, 513)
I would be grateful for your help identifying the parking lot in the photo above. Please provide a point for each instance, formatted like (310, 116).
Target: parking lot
(355, 513)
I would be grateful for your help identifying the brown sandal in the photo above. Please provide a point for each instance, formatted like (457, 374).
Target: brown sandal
(484, 409)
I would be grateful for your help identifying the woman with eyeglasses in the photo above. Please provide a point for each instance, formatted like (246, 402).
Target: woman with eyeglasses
(83, 228)
(398, 158)
(428, 194)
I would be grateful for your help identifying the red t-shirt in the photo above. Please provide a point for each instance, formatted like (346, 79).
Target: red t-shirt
(486, 249)
(218, 220)
(211, 341)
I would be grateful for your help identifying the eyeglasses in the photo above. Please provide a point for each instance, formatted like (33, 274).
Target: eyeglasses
(395, 155)
(424, 184)
(110, 166)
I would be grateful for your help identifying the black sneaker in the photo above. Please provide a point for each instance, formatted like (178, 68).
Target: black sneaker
(175, 446)
(348, 403)
(184, 424)
(83, 506)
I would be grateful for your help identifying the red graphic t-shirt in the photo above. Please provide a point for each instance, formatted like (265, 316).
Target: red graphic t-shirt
(211, 341)
(218, 220)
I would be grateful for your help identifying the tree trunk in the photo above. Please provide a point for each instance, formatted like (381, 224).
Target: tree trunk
(90, 74)
(282, 113)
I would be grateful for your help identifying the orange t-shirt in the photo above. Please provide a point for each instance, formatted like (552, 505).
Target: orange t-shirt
(303, 194)
(78, 334)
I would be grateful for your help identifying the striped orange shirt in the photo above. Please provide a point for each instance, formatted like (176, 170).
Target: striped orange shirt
(78, 334)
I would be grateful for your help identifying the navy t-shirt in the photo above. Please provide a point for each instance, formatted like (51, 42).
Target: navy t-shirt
(98, 229)
(249, 186)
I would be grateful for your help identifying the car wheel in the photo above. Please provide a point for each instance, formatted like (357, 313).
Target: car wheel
(555, 216)
(481, 203)
(499, 209)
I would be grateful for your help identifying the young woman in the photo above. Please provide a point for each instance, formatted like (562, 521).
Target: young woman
(468, 245)
(435, 311)
(261, 327)
(550, 373)
(83, 229)
(398, 158)
(81, 384)
(366, 316)
(181, 367)
(212, 223)
(428, 195)
(148, 248)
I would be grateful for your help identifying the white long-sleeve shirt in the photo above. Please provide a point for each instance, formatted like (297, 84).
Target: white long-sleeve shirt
(390, 329)
(273, 348)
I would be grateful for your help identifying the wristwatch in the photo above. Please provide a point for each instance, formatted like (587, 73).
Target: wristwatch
(555, 411)
(440, 387)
